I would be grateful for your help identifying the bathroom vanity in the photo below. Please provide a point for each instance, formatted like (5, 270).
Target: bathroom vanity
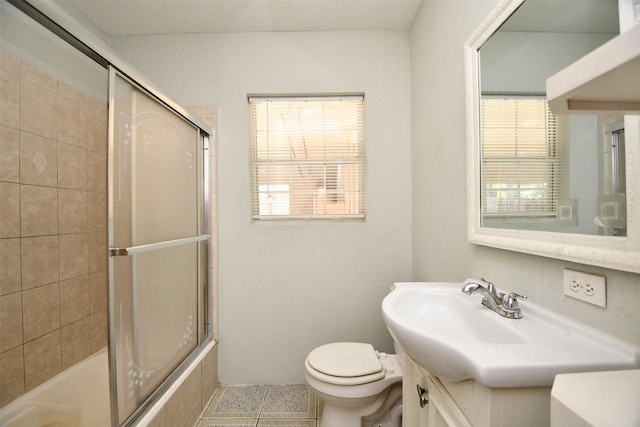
(434, 402)
(465, 364)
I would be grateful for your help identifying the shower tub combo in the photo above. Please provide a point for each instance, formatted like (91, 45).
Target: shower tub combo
(119, 176)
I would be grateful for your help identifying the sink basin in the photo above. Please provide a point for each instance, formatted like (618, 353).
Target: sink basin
(455, 337)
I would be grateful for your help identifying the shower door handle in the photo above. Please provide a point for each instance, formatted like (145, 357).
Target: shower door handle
(133, 250)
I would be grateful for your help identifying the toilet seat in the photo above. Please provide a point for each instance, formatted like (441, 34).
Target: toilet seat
(345, 363)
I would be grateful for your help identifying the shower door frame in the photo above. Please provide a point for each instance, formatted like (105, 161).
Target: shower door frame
(202, 238)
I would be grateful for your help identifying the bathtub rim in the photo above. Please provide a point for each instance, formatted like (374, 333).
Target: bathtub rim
(33, 398)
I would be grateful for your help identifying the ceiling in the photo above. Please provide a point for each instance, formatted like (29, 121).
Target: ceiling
(136, 17)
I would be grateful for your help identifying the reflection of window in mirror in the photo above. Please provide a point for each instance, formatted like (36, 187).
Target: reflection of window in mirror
(521, 158)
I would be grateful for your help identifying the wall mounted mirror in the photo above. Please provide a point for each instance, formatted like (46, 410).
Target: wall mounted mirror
(550, 185)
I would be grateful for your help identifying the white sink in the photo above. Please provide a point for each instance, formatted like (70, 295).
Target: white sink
(455, 337)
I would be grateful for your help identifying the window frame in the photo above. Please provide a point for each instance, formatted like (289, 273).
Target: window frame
(357, 162)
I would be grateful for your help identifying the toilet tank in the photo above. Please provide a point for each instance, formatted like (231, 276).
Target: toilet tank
(398, 351)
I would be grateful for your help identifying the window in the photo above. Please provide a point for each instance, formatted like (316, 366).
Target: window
(521, 157)
(307, 157)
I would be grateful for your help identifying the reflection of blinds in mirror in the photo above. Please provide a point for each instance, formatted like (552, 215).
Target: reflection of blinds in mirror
(521, 157)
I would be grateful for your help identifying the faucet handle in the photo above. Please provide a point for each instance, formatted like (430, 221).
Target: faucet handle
(491, 287)
(510, 300)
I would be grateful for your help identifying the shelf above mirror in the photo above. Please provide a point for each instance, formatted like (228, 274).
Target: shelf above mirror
(605, 80)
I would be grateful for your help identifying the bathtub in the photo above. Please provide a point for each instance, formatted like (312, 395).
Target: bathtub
(79, 396)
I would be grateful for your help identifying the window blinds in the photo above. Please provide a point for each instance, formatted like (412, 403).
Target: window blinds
(307, 157)
(521, 157)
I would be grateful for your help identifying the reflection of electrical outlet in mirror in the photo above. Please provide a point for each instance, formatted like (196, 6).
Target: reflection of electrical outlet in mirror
(585, 287)
(567, 212)
(611, 210)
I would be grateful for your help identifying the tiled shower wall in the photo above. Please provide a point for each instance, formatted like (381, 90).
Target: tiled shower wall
(53, 280)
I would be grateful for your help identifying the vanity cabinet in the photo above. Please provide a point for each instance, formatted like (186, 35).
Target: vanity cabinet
(469, 403)
(413, 381)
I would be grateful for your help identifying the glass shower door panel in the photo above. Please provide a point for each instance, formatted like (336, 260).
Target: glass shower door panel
(155, 319)
(155, 171)
(165, 322)
(156, 182)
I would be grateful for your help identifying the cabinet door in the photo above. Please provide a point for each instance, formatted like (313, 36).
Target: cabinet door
(413, 414)
(443, 411)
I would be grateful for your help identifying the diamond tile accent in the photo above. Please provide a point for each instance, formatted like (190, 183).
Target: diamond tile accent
(40, 161)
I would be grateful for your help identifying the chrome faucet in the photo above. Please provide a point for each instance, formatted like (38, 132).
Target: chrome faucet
(505, 305)
(471, 286)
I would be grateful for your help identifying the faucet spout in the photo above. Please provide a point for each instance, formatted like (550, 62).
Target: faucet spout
(505, 305)
(471, 286)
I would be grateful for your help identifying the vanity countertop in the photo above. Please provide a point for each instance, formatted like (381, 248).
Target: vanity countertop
(609, 398)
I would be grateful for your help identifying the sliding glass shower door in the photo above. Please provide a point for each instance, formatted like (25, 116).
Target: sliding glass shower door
(157, 242)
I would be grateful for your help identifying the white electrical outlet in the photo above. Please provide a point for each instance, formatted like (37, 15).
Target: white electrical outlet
(585, 287)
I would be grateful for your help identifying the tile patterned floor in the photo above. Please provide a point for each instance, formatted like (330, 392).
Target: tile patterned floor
(294, 405)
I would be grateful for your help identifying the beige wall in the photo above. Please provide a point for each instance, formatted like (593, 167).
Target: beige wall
(440, 247)
(53, 227)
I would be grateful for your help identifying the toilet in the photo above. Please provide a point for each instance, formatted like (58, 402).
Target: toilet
(360, 386)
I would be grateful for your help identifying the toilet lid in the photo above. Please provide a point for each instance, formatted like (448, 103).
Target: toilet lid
(345, 359)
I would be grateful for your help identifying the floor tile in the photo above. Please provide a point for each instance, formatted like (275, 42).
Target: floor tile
(237, 402)
(287, 405)
(289, 401)
(228, 422)
(286, 423)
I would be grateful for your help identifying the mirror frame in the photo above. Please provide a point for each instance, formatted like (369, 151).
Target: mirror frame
(618, 253)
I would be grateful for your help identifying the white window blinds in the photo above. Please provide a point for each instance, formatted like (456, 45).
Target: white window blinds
(521, 157)
(307, 157)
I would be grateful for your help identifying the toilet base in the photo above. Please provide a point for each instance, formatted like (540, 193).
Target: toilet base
(383, 412)
(390, 413)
